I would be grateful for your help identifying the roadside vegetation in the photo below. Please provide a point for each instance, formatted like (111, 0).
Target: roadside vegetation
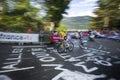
(19, 15)
(107, 15)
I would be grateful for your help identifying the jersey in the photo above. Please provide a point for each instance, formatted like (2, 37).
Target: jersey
(62, 34)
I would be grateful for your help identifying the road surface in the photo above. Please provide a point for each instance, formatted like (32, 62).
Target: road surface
(100, 61)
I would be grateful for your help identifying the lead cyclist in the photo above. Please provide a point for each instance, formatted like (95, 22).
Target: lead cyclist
(65, 45)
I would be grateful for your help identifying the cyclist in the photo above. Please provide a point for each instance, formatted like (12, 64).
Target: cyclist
(68, 37)
(66, 44)
(63, 36)
(80, 35)
(82, 40)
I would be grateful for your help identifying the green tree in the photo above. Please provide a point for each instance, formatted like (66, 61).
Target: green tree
(107, 14)
(62, 27)
(21, 16)
(55, 10)
(4, 6)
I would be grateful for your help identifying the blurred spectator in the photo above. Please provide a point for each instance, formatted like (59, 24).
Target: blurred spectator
(81, 35)
(29, 30)
(8, 30)
(116, 33)
(41, 35)
(55, 33)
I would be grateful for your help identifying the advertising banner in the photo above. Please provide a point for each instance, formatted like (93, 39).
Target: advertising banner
(18, 37)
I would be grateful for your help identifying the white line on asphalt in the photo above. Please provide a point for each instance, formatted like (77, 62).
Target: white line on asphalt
(63, 54)
(100, 47)
(4, 71)
(51, 65)
(99, 50)
(27, 46)
(67, 56)
(50, 48)
(60, 55)
(54, 51)
(12, 58)
(10, 63)
(14, 54)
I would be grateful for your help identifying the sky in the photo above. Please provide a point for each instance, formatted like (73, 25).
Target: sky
(81, 8)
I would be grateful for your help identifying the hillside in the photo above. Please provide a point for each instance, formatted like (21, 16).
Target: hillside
(79, 22)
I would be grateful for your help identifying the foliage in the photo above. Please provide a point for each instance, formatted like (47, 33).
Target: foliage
(62, 27)
(19, 18)
(107, 14)
(55, 10)
(22, 14)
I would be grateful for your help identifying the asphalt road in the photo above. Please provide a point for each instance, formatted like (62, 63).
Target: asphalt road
(100, 61)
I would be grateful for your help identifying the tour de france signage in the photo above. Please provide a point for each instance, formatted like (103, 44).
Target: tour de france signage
(18, 37)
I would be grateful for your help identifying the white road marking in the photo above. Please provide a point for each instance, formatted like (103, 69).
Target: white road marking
(63, 54)
(19, 69)
(99, 50)
(60, 55)
(50, 48)
(14, 54)
(53, 51)
(11, 62)
(66, 56)
(12, 58)
(72, 75)
(100, 47)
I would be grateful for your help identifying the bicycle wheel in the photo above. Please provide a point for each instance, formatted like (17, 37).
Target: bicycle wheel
(71, 46)
(60, 48)
(83, 44)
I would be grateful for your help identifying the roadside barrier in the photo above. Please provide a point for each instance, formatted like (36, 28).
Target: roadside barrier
(24, 38)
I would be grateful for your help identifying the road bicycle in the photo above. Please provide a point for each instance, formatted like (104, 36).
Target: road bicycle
(83, 43)
(91, 37)
(65, 46)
